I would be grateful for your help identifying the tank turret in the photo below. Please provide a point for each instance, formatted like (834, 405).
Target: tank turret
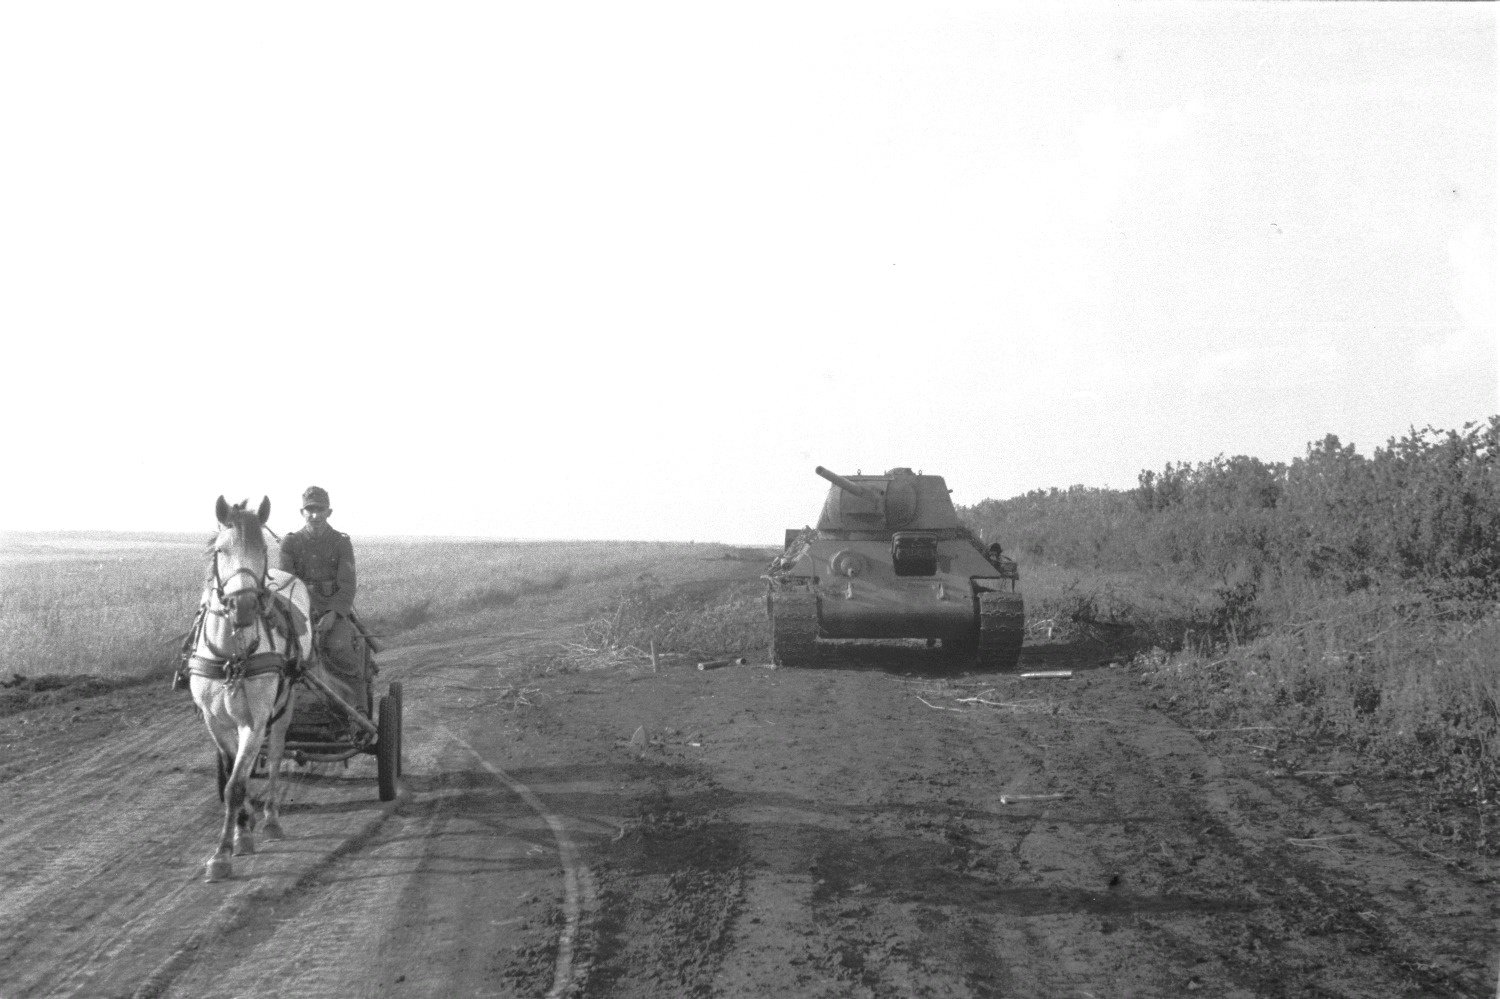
(898, 500)
(889, 559)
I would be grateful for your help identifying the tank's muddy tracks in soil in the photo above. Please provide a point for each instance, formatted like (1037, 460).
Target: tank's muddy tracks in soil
(856, 830)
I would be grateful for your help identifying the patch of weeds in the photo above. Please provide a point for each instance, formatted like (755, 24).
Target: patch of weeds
(504, 593)
(20, 693)
(685, 620)
(409, 615)
(1233, 617)
(739, 554)
(1409, 684)
(550, 582)
(487, 597)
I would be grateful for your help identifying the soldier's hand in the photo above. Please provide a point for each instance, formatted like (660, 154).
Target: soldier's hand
(326, 622)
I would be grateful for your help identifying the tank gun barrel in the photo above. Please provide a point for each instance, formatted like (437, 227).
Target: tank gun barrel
(853, 488)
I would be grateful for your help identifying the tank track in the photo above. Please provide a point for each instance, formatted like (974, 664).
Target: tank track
(1002, 627)
(793, 609)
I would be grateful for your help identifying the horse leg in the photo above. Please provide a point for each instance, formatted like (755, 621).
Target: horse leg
(239, 787)
(218, 867)
(275, 747)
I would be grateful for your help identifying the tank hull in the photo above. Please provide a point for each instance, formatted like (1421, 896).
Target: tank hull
(877, 603)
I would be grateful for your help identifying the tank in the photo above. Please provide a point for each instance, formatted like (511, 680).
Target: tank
(889, 559)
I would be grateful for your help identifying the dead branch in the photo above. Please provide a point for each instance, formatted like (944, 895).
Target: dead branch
(720, 663)
(1322, 842)
(1014, 705)
(1242, 728)
(1006, 799)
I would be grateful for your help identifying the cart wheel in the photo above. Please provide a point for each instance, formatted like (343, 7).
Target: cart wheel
(388, 743)
(396, 692)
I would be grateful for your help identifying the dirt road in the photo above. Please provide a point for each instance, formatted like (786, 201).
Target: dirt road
(875, 828)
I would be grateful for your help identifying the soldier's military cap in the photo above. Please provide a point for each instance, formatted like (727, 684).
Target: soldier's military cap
(315, 496)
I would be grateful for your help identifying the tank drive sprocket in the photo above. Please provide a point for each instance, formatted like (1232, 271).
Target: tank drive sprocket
(1002, 628)
(793, 609)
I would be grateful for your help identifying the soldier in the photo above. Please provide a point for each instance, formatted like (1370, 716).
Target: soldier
(323, 558)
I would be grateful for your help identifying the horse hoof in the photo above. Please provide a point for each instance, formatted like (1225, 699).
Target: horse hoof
(218, 869)
(272, 830)
(243, 845)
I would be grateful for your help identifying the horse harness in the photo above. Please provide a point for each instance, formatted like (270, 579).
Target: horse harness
(237, 665)
(234, 667)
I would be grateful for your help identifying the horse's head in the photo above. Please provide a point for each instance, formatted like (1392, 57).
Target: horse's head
(240, 560)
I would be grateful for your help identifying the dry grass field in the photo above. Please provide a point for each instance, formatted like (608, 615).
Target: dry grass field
(105, 605)
(115, 606)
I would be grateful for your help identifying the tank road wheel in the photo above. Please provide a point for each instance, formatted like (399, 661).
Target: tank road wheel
(388, 743)
(793, 609)
(1002, 626)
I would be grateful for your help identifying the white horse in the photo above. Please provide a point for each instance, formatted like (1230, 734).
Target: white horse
(250, 639)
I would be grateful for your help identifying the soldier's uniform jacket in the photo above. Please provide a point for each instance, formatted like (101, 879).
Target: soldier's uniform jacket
(325, 564)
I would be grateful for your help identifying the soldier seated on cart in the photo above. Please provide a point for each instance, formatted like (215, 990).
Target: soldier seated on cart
(323, 558)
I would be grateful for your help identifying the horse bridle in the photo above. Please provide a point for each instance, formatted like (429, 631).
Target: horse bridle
(259, 587)
(219, 582)
(238, 663)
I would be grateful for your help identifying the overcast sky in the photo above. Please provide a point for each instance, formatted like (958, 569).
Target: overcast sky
(631, 271)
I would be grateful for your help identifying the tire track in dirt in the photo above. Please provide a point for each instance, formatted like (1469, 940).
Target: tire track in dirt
(87, 908)
(1340, 885)
(671, 890)
(433, 902)
(105, 848)
(578, 887)
(1290, 917)
(103, 783)
(87, 841)
(249, 904)
(864, 844)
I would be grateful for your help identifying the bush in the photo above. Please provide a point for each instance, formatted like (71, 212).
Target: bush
(1425, 507)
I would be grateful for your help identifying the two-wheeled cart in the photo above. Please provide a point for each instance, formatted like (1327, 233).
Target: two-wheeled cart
(341, 730)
